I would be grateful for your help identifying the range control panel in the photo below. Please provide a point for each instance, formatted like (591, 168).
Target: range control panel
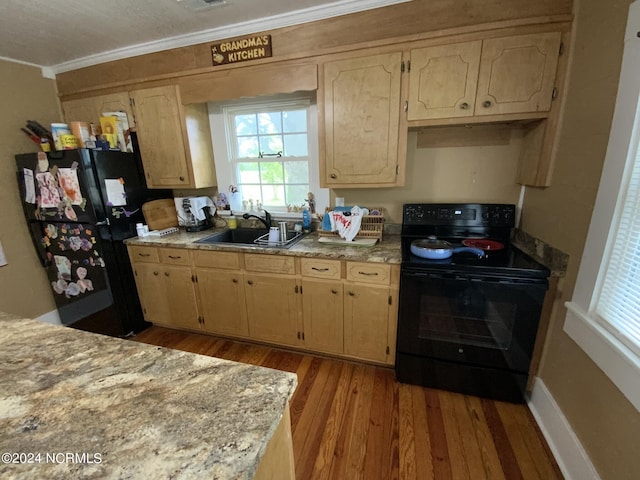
(459, 214)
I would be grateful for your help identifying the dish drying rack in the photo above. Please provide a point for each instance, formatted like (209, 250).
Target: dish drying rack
(370, 227)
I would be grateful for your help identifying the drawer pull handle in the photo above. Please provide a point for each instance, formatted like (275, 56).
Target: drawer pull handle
(369, 274)
(320, 269)
(144, 254)
(174, 257)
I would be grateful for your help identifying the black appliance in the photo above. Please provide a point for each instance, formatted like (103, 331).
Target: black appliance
(467, 323)
(80, 205)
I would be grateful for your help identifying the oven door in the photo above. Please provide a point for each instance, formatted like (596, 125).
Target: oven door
(478, 320)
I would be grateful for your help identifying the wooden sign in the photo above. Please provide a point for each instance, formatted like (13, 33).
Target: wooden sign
(248, 48)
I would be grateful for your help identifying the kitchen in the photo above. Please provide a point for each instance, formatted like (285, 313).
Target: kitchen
(606, 423)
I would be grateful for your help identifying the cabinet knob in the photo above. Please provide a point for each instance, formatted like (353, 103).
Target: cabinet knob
(352, 294)
(333, 175)
(464, 106)
(182, 179)
(166, 274)
(334, 291)
(235, 280)
(155, 273)
(250, 282)
(486, 104)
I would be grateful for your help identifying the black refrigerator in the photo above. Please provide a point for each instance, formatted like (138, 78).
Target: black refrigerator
(80, 205)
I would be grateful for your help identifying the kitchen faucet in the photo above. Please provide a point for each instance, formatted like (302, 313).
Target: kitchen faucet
(266, 220)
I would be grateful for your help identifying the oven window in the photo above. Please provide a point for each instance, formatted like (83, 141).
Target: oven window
(466, 316)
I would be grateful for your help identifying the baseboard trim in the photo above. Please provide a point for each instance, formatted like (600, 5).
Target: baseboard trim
(51, 317)
(563, 442)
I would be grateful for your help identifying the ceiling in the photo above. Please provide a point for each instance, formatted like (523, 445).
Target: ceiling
(63, 35)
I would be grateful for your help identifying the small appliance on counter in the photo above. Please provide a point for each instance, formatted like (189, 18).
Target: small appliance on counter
(195, 213)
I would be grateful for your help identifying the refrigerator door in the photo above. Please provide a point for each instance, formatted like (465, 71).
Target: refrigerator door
(53, 187)
(75, 268)
(118, 189)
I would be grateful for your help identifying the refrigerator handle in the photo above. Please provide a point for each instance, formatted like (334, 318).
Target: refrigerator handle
(103, 223)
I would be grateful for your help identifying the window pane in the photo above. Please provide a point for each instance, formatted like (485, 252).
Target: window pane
(271, 172)
(295, 121)
(296, 172)
(271, 144)
(296, 194)
(295, 145)
(273, 195)
(247, 147)
(245, 124)
(248, 172)
(269, 122)
(251, 192)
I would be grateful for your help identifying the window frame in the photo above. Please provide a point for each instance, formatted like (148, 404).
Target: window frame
(620, 363)
(225, 169)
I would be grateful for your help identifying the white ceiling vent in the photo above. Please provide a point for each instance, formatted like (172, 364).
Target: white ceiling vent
(201, 4)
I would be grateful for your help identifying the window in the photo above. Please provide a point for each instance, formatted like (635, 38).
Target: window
(269, 151)
(268, 148)
(603, 317)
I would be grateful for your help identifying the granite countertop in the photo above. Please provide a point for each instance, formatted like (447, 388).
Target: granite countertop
(129, 410)
(385, 251)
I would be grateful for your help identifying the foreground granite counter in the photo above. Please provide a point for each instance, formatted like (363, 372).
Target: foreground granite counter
(129, 410)
(385, 251)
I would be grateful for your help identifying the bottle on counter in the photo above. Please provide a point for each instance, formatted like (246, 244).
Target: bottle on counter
(232, 221)
(306, 221)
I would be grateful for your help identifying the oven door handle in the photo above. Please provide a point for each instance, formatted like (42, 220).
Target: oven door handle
(447, 275)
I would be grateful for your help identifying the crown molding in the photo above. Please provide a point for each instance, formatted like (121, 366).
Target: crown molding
(297, 17)
(47, 72)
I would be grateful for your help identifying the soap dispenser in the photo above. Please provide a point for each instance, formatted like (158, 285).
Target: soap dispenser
(306, 221)
(232, 221)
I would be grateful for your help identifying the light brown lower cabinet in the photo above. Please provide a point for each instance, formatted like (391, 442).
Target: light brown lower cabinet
(366, 322)
(272, 308)
(222, 302)
(335, 307)
(323, 315)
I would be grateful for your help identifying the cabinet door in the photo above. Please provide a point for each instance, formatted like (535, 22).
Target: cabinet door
(160, 137)
(222, 303)
(361, 109)
(81, 110)
(180, 293)
(151, 290)
(366, 321)
(116, 102)
(517, 74)
(272, 308)
(322, 314)
(443, 80)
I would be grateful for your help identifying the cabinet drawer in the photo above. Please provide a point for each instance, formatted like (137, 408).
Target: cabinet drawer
(211, 259)
(329, 269)
(377, 273)
(269, 264)
(174, 256)
(143, 254)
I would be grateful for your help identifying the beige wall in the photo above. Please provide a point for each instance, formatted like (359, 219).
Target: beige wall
(606, 423)
(25, 95)
(447, 174)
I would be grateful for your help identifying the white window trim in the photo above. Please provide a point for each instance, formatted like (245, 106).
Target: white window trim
(225, 173)
(617, 361)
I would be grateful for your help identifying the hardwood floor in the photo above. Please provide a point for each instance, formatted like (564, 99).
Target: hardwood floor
(352, 421)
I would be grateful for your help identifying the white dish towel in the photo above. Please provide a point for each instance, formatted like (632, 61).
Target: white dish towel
(347, 226)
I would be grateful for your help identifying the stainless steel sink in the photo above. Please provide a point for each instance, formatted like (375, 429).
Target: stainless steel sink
(249, 237)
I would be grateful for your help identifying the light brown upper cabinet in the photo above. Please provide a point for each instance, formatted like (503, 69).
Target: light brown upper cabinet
(508, 75)
(91, 109)
(360, 121)
(174, 139)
